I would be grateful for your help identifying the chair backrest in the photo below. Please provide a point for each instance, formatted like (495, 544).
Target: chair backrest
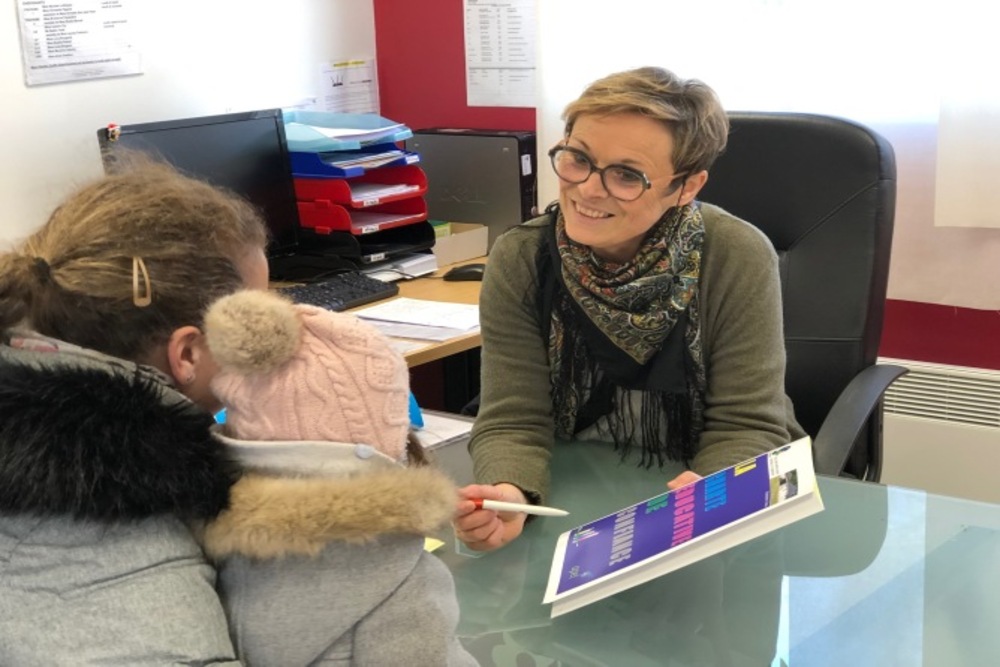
(823, 190)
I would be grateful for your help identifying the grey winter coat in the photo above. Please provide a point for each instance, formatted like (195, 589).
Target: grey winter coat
(101, 464)
(321, 559)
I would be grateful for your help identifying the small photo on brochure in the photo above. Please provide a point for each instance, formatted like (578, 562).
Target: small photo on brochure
(784, 486)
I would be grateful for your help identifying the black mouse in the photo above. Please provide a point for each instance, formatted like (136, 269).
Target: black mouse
(466, 272)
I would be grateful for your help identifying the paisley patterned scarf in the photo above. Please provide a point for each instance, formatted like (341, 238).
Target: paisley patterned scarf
(632, 326)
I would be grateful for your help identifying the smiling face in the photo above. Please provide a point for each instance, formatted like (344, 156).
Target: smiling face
(612, 228)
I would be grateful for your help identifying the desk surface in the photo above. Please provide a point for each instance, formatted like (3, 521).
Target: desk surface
(883, 576)
(433, 288)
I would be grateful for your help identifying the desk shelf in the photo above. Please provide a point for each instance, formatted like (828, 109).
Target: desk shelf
(323, 217)
(373, 247)
(371, 188)
(350, 164)
(362, 200)
(318, 131)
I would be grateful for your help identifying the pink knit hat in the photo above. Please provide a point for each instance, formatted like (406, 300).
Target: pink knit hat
(295, 372)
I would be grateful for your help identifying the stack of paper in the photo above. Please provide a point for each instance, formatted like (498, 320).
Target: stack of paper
(378, 190)
(408, 265)
(345, 159)
(418, 318)
(366, 135)
(441, 428)
(368, 222)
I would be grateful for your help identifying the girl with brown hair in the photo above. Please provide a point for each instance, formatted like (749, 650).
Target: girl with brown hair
(105, 415)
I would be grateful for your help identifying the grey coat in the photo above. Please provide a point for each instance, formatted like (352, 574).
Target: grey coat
(100, 464)
(321, 560)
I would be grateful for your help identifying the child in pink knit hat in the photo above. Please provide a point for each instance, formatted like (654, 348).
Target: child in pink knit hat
(316, 412)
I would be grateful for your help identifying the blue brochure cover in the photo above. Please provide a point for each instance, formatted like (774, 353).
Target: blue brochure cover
(668, 531)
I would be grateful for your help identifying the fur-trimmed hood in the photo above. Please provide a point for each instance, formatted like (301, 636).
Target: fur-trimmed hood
(93, 437)
(297, 497)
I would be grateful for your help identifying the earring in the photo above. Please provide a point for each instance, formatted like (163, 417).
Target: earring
(189, 379)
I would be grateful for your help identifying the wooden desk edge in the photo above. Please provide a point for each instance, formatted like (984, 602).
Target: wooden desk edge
(433, 288)
(436, 351)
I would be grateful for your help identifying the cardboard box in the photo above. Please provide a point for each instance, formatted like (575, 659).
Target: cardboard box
(466, 241)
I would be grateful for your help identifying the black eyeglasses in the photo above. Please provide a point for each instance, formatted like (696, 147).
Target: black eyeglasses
(621, 182)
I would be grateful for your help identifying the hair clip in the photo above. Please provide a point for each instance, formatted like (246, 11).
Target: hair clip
(140, 299)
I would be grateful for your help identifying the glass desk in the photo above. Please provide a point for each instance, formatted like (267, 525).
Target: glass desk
(883, 577)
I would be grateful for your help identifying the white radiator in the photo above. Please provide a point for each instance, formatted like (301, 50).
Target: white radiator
(942, 430)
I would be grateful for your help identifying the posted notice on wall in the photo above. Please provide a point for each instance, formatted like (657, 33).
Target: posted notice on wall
(349, 86)
(70, 40)
(500, 53)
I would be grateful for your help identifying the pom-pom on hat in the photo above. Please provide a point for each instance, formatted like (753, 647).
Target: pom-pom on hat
(296, 372)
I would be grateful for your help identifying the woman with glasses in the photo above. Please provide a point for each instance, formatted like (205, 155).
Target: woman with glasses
(630, 312)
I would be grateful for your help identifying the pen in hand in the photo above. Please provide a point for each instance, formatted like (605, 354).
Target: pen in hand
(502, 506)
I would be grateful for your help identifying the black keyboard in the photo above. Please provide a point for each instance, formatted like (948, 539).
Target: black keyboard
(341, 291)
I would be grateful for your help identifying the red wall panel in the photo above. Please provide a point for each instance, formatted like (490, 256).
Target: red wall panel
(941, 334)
(420, 55)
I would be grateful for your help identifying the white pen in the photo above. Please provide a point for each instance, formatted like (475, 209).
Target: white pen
(502, 506)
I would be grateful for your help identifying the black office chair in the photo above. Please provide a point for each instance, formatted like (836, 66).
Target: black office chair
(823, 190)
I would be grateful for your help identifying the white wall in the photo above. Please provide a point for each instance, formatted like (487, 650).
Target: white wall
(200, 57)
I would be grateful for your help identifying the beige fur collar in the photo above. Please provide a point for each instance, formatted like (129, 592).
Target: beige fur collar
(271, 517)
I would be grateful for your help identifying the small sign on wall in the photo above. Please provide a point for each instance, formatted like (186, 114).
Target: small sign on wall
(500, 53)
(349, 86)
(71, 40)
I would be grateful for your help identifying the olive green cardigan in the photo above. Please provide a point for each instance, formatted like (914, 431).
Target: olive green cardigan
(746, 409)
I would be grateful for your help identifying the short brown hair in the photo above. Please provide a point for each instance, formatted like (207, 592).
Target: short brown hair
(73, 278)
(689, 109)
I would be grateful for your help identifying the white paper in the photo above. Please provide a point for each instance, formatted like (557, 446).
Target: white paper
(376, 191)
(500, 53)
(461, 317)
(349, 86)
(359, 134)
(79, 39)
(365, 160)
(439, 427)
(416, 331)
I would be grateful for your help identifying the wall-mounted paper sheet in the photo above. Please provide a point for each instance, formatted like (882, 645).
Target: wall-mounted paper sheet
(500, 53)
(80, 39)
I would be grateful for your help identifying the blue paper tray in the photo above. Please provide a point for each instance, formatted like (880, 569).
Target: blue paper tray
(316, 164)
(303, 130)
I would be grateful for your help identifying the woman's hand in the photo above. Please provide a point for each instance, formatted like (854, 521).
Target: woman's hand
(683, 479)
(486, 530)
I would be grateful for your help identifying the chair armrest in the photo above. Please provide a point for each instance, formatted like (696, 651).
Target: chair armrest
(849, 414)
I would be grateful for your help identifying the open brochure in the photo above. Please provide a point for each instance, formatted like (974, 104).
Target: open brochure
(677, 528)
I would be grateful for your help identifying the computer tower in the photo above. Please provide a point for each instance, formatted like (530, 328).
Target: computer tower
(486, 177)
